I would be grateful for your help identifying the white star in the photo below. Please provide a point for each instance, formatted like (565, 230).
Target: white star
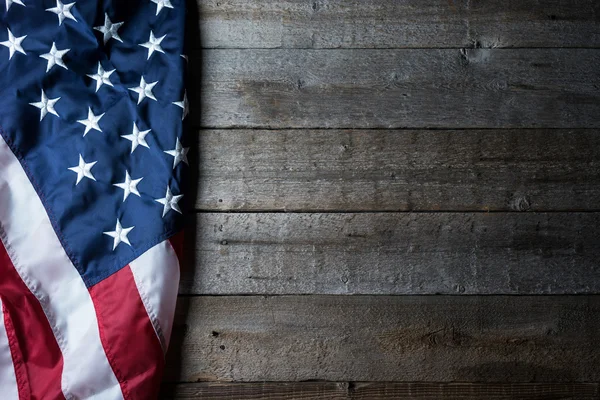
(10, 2)
(184, 105)
(119, 234)
(170, 202)
(14, 44)
(129, 186)
(46, 105)
(109, 30)
(179, 153)
(137, 137)
(153, 44)
(162, 3)
(91, 122)
(144, 90)
(55, 57)
(83, 170)
(63, 11)
(102, 77)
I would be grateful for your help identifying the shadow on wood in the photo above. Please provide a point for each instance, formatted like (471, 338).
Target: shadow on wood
(190, 260)
(380, 390)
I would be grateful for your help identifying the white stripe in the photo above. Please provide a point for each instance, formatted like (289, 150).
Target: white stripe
(43, 265)
(156, 275)
(8, 380)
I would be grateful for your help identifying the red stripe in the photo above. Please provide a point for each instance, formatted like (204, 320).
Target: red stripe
(131, 345)
(17, 356)
(36, 355)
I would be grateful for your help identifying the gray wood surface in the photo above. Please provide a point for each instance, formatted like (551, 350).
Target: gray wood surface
(451, 88)
(337, 110)
(381, 390)
(394, 253)
(386, 338)
(399, 170)
(398, 24)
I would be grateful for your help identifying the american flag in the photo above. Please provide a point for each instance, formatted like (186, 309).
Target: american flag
(92, 160)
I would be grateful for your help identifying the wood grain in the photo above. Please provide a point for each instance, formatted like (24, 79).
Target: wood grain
(380, 390)
(472, 88)
(330, 106)
(399, 170)
(255, 391)
(386, 338)
(394, 253)
(398, 24)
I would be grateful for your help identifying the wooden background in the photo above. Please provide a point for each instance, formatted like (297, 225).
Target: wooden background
(395, 199)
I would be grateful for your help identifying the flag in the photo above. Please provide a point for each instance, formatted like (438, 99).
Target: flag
(92, 160)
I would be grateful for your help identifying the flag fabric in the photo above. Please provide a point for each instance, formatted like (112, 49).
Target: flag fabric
(92, 160)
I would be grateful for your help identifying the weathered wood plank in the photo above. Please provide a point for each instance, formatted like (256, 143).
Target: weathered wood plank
(477, 88)
(255, 391)
(386, 338)
(394, 253)
(398, 24)
(380, 390)
(378, 170)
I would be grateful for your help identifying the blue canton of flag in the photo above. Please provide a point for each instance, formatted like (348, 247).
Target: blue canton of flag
(92, 107)
(91, 101)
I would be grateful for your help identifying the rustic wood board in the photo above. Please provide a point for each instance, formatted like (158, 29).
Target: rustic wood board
(451, 88)
(463, 78)
(399, 170)
(386, 338)
(394, 253)
(380, 390)
(398, 24)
